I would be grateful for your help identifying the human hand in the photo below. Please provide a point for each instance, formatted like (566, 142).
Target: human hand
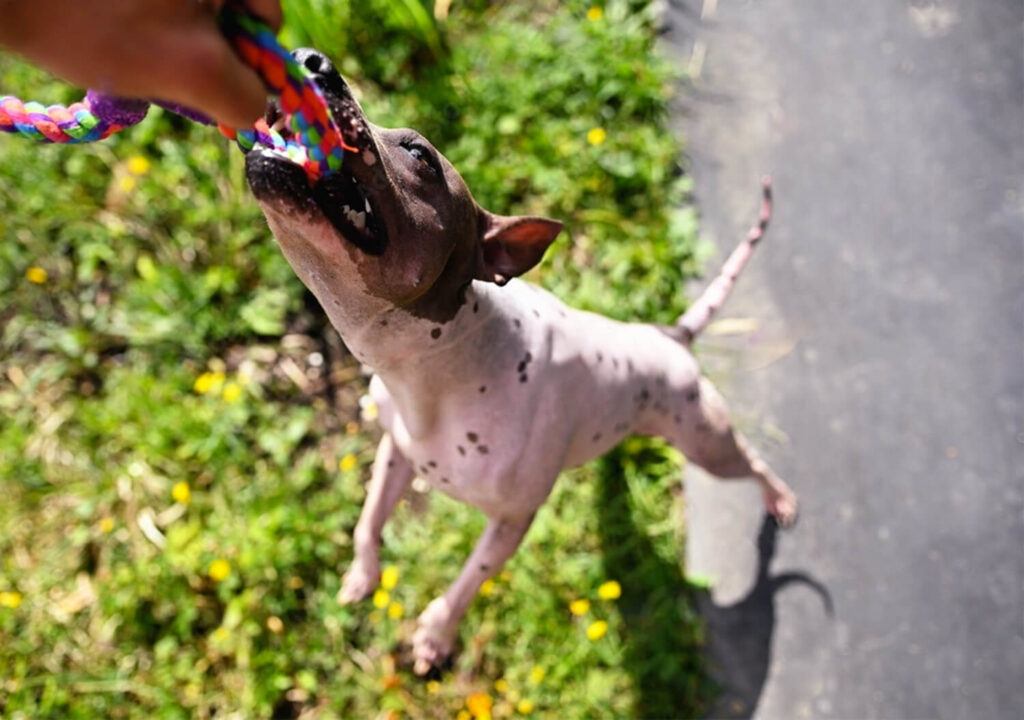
(169, 50)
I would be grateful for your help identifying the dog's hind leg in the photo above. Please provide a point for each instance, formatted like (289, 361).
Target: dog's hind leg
(704, 433)
(391, 476)
(438, 624)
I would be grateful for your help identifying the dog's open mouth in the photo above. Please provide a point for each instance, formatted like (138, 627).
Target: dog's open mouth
(339, 197)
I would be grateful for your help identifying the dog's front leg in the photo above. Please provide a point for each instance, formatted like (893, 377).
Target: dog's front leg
(391, 476)
(438, 625)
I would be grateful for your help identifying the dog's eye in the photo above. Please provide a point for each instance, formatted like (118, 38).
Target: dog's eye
(423, 155)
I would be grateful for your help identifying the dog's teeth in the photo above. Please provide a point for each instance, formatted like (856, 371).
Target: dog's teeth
(359, 221)
(367, 204)
(347, 210)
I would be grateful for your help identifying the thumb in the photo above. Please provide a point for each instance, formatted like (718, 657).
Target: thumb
(209, 77)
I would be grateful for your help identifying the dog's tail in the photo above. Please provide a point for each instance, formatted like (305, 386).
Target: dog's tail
(703, 309)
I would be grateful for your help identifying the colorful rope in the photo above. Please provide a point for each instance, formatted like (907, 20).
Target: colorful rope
(316, 143)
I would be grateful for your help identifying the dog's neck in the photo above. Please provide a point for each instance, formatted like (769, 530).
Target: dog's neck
(415, 357)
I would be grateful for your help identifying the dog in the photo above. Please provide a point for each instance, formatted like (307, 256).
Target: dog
(487, 387)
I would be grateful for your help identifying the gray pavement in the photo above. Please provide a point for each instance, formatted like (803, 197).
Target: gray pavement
(879, 361)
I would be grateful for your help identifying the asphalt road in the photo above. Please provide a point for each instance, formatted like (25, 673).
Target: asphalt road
(879, 361)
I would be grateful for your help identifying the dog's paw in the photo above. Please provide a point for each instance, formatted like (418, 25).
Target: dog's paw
(783, 507)
(434, 637)
(359, 582)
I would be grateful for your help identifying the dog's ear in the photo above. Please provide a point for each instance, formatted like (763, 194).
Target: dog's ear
(509, 246)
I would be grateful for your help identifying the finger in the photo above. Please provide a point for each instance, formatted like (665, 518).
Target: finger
(267, 10)
(209, 77)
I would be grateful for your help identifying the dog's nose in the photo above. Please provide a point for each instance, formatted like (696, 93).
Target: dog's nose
(323, 71)
(314, 61)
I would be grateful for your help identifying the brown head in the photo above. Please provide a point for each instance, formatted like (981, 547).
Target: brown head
(396, 227)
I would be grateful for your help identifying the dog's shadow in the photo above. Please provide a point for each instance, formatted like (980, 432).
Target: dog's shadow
(663, 639)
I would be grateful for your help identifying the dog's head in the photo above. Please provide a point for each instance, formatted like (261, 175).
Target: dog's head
(397, 226)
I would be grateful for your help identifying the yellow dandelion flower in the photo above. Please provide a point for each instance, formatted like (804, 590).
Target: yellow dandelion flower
(381, 598)
(10, 599)
(537, 674)
(462, 715)
(219, 570)
(501, 685)
(275, 624)
(389, 577)
(208, 382)
(36, 275)
(597, 630)
(610, 590)
(396, 611)
(203, 383)
(579, 607)
(232, 392)
(107, 525)
(433, 687)
(220, 634)
(594, 14)
(597, 136)
(524, 707)
(181, 493)
(479, 705)
(138, 165)
(487, 587)
(127, 184)
(348, 462)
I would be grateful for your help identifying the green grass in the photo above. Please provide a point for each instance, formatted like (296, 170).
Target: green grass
(160, 271)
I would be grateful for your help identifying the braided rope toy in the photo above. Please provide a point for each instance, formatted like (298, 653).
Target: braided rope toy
(316, 144)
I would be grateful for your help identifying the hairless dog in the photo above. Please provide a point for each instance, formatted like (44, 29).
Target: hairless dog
(487, 386)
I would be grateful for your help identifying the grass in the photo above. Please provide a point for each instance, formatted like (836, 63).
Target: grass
(183, 453)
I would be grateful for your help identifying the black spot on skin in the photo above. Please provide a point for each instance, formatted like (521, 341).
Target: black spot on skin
(424, 470)
(692, 395)
(615, 363)
(483, 388)
(597, 436)
(483, 449)
(678, 419)
(476, 306)
(522, 378)
(529, 357)
(435, 333)
(485, 568)
(462, 450)
(384, 322)
(432, 464)
(391, 463)
(703, 426)
(645, 394)
(517, 323)
(521, 366)
(536, 314)
(445, 480)
(562, 313)
(472, 437)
